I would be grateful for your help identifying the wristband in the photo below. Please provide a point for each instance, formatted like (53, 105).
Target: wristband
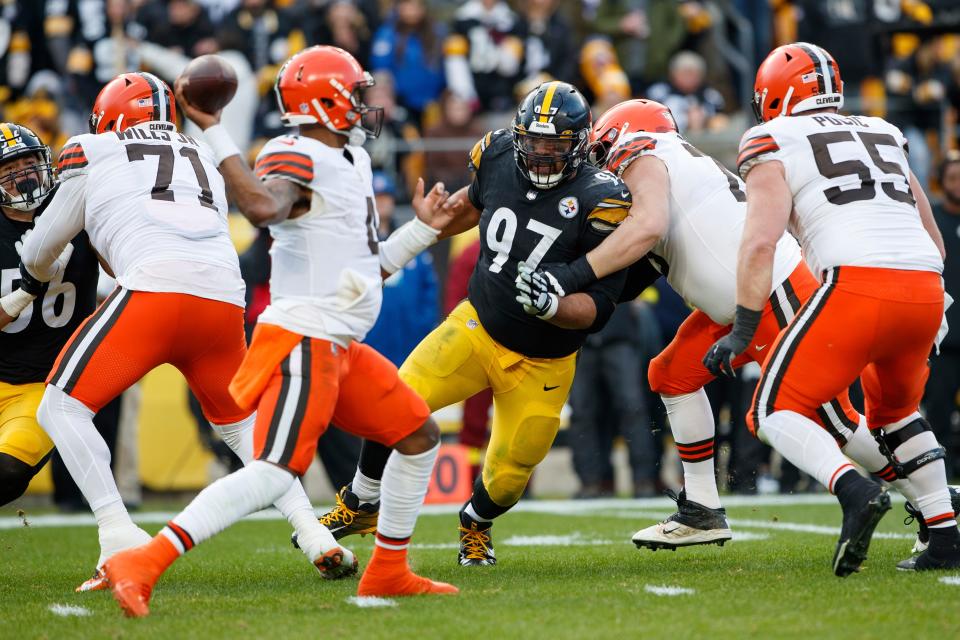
(405, 243)
(581, 276)
(30, 284)
(15, 302)
(220, 143)
(745, 323)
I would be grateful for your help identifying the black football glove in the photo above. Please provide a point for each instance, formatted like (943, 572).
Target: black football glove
(537, 292)
(720, 357)
(567, 278)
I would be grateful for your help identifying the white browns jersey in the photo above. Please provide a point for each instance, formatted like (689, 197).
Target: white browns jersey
(155, 209)
(325, 280)
(698, 254)
(851, 190)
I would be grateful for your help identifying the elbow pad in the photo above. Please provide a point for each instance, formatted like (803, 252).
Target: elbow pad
(605, 307)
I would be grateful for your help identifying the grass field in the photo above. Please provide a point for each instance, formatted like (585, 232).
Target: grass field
(567, 570)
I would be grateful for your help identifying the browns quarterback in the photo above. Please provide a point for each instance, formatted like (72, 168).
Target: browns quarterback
(536, 201)
(34, 329)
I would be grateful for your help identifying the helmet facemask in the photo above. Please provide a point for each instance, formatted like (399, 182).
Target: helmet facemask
(24, 189)
(546, 159)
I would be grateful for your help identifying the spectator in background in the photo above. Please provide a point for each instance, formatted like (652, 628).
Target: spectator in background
(607, 400)
(604, 78)
(624, 23)
(394, 151)
(456, 122)
(409, 46)
(547, 48)
(695, 106)
(181, 25)
(483, 55)
(917, 85)
(943, 385)
(345, 24)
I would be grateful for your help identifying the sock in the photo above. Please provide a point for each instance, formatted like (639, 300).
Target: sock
(366, 488)
(691, 422)
(863, 449)
(313, 538)
(481, 506)
(805, 445)
(69, 423)
(849, 486)
(405, 482)
(930, 480)
(226, 501)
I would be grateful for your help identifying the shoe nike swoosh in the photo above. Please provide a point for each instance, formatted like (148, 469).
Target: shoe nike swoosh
(546, 388)
(761, 347)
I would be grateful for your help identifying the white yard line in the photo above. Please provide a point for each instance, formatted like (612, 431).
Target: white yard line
(952, 580)
(365, 602)
(67, 610)
(662, 590)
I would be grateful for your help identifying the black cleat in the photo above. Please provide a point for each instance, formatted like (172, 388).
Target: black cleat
(942, 554)
(476, 543)
(923, 533)
(692, 524)
(348, 517)
(859, 522)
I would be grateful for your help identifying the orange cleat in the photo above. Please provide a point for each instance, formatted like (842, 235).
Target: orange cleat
(403, 582)
(133, 573)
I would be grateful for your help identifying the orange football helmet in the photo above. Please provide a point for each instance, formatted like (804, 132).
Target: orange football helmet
(795, 78)
(132, 98)
(322, 85)
(630, 116)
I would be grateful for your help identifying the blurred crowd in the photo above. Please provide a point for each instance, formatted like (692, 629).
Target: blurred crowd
(447, 71)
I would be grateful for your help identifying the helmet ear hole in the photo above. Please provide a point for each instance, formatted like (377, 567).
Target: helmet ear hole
(775, 103)
(327, 103)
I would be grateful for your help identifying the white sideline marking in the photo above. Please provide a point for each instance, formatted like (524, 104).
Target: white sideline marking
(67, 610)
(365, 602)
(668, 591)
(954, 580)
(743, 536)
(574, 539)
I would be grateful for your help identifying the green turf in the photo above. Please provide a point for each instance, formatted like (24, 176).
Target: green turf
(249, 582)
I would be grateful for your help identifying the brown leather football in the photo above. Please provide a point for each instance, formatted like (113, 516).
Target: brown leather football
(209, 83)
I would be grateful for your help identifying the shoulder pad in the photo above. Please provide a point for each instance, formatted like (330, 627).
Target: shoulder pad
(755, 142)
(482, 145)
(609, 202)
(622, 156)
(283, 158)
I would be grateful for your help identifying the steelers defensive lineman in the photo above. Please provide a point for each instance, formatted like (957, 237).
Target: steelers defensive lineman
(33, 329)
(537, 202)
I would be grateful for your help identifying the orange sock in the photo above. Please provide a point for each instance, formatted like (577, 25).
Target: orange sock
(388, 573)
(159, 553)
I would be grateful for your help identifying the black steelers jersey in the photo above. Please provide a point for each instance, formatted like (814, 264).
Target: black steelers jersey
(520, 223)
(30, 344)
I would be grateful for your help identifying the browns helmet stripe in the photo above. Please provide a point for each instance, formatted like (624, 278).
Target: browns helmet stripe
(818, 65)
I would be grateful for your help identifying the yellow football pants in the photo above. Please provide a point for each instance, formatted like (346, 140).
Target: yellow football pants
(458, 359)
(20, 434)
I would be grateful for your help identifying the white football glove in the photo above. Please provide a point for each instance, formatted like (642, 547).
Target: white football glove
(59, 265)
(535, 292)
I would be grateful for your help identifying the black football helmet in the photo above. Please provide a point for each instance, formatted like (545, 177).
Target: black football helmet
(23, 186)
(551, 132)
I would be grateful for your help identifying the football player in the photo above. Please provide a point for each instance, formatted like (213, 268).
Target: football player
(844, 187)
(154, 206)
(306, 365)
(34, 328)
(537, 201)
(688, 212)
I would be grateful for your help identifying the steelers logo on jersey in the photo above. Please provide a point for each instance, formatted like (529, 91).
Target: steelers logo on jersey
(569, 207)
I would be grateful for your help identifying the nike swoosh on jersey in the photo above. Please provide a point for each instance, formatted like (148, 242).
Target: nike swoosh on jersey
(546, 388)
(761, 347)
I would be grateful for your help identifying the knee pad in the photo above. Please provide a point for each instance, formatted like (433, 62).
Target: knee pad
(505, 481)
(661, 382)
(15, 475)
(889, 442)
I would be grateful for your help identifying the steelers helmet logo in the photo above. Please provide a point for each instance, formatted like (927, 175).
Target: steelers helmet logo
(569, 207)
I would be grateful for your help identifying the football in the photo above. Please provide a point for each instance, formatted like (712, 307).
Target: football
(209, 83)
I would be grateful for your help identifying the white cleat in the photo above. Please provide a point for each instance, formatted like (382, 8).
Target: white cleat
(338, 562)
(691, 525)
